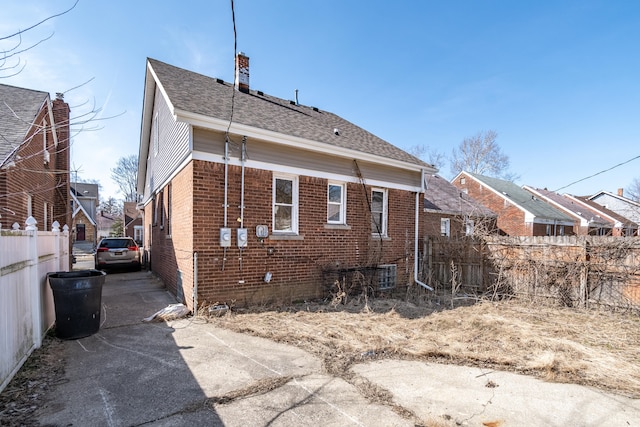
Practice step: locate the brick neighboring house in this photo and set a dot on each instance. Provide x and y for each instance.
(106, 223)
(133, 221)
(588, 221)
(621, 226)
(519, 212)
(34, 158)
(84, 207)
(249, 198)
(450, 212)
(619, 204)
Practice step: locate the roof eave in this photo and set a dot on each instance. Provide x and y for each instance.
(195, 119)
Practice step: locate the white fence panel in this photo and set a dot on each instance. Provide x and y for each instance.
(26, 301)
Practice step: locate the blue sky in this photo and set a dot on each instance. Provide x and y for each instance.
(559, 81)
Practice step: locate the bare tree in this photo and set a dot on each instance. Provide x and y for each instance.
(633, 190)
(429, 155)
(111, 206)
(482, 155)
(125, 174)
(10, 64)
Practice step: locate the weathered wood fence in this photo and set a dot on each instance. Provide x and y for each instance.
(582, 271)
(26, 300)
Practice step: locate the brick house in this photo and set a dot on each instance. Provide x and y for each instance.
(34, 158)
(248, 198)
(621, 226)
(133, 221)
(449, 212)
(519, 212)
(84, 208)
(587, 220)
(619, 204)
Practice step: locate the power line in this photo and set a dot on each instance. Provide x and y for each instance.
(598, 173)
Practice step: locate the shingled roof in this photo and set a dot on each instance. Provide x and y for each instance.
(445, 197)
(195, 93)
(18, 109)
(522, 198)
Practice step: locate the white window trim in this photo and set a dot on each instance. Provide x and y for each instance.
(343, 203)
(294, 209)
(385, 211)
(445, 227)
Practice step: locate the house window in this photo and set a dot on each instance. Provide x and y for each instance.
(469, 227)
(387, 276)
(137, 233)
(155, 211)
(561, 230)
(336, 196)
(548, 230)
(285, 204)
(463, 180)
(379, 201)
(161, 208)
(156, 135)
(445, 227)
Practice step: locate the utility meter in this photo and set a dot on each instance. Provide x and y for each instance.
(242, 237)
(225, 237)
(262, 231)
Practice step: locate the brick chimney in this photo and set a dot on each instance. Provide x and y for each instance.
(621, 192)
(242, 72)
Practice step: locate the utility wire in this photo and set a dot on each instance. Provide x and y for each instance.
(598, 173)
(235, 67)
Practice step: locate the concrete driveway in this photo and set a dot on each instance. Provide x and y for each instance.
(188, 372)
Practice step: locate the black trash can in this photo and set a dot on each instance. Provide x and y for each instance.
(77, 296)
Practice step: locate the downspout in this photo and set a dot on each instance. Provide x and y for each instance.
(417, 230)
(195, 283)
(243, 158)
(226, 189)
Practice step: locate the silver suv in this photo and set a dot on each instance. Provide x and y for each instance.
(118, 252)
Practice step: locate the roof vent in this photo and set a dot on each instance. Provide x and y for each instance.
(336, 131)
(261, 93)
(219, 81)
(292, 102)
(315, 109)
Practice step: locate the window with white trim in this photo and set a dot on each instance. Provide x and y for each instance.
(285, 204)
(379, 203)
(336, 206)
(445, 227)
(469, 227)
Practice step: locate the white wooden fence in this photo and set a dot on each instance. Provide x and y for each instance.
(26, 301)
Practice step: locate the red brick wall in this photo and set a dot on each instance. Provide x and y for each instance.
(296, 264)
(45, 183)
(510, 218)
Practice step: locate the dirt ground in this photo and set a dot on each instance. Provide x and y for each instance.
(595, 348)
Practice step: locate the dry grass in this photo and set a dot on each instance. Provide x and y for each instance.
(562, 345)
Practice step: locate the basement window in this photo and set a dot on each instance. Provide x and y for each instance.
(387, 276)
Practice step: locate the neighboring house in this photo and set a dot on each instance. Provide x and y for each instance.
(106, 225)
(619, 204)
(133, 221)
(84, 206)
(588, 221)
(519, 212)
(34, 158)
(450, 212)
(249, 198)
(621, 225)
